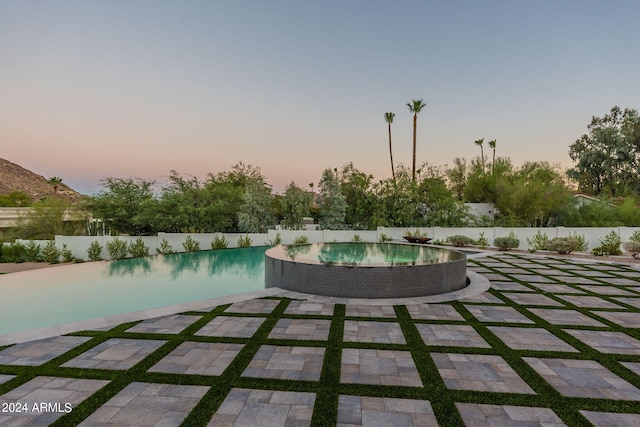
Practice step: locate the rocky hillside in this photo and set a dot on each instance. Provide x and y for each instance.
(16, 178)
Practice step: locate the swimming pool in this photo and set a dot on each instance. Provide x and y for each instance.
(46, 297)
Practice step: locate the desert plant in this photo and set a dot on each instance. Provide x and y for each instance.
(583, 245)
(276, 240)
(356, 238)
(165, 248)
(95, 251)
(219, 243)
(32, 252)
(244, 242)
(482, 241)
(384, 238)
(14, 252)
(138, 249)
(415, 233)
(507, 243)
(440, 242)
(50, 253)
(460, 241)
(117, 248)
(633, 245)
(66, 254)
(609, 245)
(538, 242)
(563, 245)
(191, 245)
(300, 240)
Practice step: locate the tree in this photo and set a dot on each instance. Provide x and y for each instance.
(415, 107)
(479, 143)
(331, 202)
(388, 117)
(295, 206)
(50, 217)
(492, 144)
(457, 176)
(55, 182)
(357, 188)
(256, 213)
(607, 157)
(15, 199)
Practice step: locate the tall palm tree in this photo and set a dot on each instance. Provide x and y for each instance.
(55, 182)
(492, 144)
(479, 143)
(388, 117)
(415, 107)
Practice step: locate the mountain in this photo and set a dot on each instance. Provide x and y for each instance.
(16, 178)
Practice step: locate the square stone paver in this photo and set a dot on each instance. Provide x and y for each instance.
(254, 306)
(63, 393)
(369, 331)
(557, 316)
(532, 278)
(607, 341)
(530, 299)
(557, 289)
(624, 319)
(510, 286)
(583, 378)
(451, 336)
(635, 367)
(605, 290)
(308, 307)
(479, 372)
(537, 339)
(578, 280)
(481, 415)
(433, 312)
(198, 358)
(384, 411)
(244, 407)
(4, 378)
(287, 363)
(588, 301)
(623, 281)
(634, 302)
(356, 310)
(607, 419)
(165, 325)
(34, 353)
(144, 404)
(227, 326)
(484, 297)
(115, 353)
(379, 367)
(490, 313)
(301, 329)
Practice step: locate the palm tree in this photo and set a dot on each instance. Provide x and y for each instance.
(388, 117)
(55, 182)
(415, 107)
(479, 142)
(492, 144)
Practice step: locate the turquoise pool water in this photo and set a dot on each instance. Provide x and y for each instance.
(53, 296)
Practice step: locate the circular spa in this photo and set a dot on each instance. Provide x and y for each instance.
(366, 270)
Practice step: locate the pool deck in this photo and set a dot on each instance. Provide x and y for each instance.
(535, 341)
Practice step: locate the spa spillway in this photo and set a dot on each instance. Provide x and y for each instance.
(366, 270)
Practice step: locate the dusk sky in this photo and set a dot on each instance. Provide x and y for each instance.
(91, 89)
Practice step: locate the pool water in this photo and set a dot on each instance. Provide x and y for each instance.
(53, 296)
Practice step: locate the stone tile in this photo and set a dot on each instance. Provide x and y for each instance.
(489, 313)
(484, 297)
(376, 332)
(607, 419)
(4, 378)
(588, 301)
(634, 302)
(510, 286)
(624, 281)
(198, 358)
(635, 367)
(607, 341)
(479, 372)
(64, 394)
(512, 270)
(254, 306)
(35, 353)
(557, 289)
(578, 280)
(530, 299)
(532, 278)
(165, 325)
(384, 411)
(624, 319)
(308, 307)
(481, 415)
(596, 274)
(227, 326)
(301, 329)
(537, 339)
(115, 353)
(451, 335)
(356, 310)
(245, 407)
(287, 363)
(144, 404)
(583, 378)
(433, 312)
(495, 276)
(605, 290)
(379, 367)
(565, 317)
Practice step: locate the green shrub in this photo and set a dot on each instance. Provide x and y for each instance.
(415, 233)
(538, 242)
(609, 245)
(507, 243)
(356, 238)
(300, 240)
(66, 254)
(276, 240)
(191, 245)
(117, 248)
(633, 245)
(563, 245)
(460, 241)
(384, 238)
(635, 237)
(95, 251)
(165, 248)
(15, 252)
(1, 249)
(138, 249)
(245, 242)
(32, 252)
(482, 241)
(50, 253)
(582, 241)
(440, 242)
(219, 243)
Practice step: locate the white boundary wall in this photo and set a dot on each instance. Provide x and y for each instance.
(79, 244)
